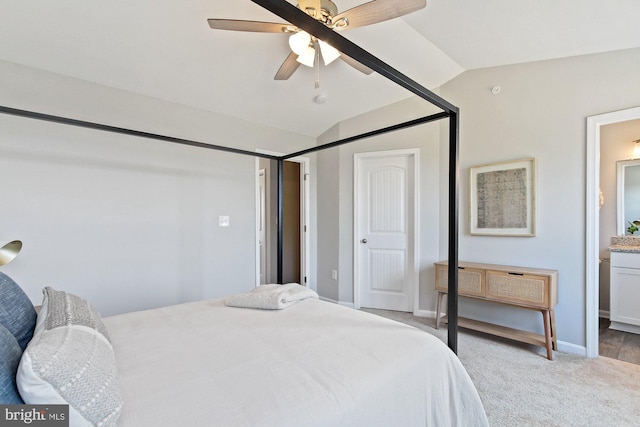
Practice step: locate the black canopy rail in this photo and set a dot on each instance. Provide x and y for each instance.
(125, 131)
(300, 19)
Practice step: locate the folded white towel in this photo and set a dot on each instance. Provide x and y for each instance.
(271, 297)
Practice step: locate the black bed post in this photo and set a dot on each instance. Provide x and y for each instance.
(454, 177)
(280, 216)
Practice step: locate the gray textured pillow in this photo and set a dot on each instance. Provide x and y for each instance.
(65, 309)
(10, 353)
(72, 366)
(17, 314)
(70, 361)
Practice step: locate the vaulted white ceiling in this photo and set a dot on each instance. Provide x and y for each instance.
(165, 49)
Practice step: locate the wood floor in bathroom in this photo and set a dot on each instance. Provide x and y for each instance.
(617, 344)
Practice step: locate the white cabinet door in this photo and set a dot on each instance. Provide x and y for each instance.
(625, 291)
(625, 295)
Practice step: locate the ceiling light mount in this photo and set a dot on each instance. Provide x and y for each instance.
(320, 99)
(328, 10)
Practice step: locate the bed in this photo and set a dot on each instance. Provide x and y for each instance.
(313, 363)
(204, 363)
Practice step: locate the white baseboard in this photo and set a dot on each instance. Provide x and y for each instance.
(604, 313)
(418, 313)
(346, 304)
(425, 313)
(568, 347)
(625, 327)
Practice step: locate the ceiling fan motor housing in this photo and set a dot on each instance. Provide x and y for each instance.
(328, 10)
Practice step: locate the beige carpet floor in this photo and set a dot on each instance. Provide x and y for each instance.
(520, 387)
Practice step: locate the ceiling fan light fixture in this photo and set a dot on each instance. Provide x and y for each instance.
(305, 48)
(329, 53)
(307, 57)
(299, 42)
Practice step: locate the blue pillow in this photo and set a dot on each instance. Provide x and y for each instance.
(10, 354)
(17, 313)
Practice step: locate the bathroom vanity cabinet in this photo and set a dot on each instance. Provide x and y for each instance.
(625, 291)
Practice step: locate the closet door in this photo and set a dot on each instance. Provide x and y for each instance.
(384, 236)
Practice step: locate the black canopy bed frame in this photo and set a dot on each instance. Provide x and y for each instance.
(297, 17)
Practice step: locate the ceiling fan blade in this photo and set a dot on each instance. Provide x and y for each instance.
(355, 64)
(377, 11)
(255, 26)
(311, 7)
(288, 67)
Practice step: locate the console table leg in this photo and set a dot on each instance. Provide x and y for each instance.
(547, 333)
(554, 335)
(439, 307)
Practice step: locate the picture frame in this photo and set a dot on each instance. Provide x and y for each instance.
(503, 199)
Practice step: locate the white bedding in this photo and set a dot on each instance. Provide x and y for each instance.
(313, 364)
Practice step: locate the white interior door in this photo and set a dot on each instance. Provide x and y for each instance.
(384, 230)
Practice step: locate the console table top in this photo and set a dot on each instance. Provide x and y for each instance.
(507, 268)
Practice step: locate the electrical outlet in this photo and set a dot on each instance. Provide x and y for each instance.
(334, 274)
(223, 221)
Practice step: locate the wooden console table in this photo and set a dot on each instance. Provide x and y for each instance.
(529, 288)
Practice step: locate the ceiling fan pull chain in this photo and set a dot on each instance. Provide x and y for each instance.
(316, 62)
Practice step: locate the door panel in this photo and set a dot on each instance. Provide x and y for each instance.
(387, 202)
(387, 270)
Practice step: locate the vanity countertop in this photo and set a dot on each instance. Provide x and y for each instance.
(630, 244)
(624, 248)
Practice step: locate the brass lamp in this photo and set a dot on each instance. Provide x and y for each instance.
(9, 251)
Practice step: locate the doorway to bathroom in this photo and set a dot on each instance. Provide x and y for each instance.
(601, 220)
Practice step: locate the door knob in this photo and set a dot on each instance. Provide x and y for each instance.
(363, 240)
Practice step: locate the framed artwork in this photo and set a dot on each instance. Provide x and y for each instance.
(503, 198)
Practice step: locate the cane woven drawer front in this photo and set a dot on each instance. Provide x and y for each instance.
(470, 280)
(518, 288)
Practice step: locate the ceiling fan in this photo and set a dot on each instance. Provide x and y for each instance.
(305, 48)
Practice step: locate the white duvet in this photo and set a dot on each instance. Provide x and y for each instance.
(312, 364)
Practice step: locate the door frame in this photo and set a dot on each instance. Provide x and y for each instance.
(593, 219)
(415, 236)
(305, 249)
(262, 224)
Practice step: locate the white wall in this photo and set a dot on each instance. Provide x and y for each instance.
(125, 222)
(327, 215)
(541, 112)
